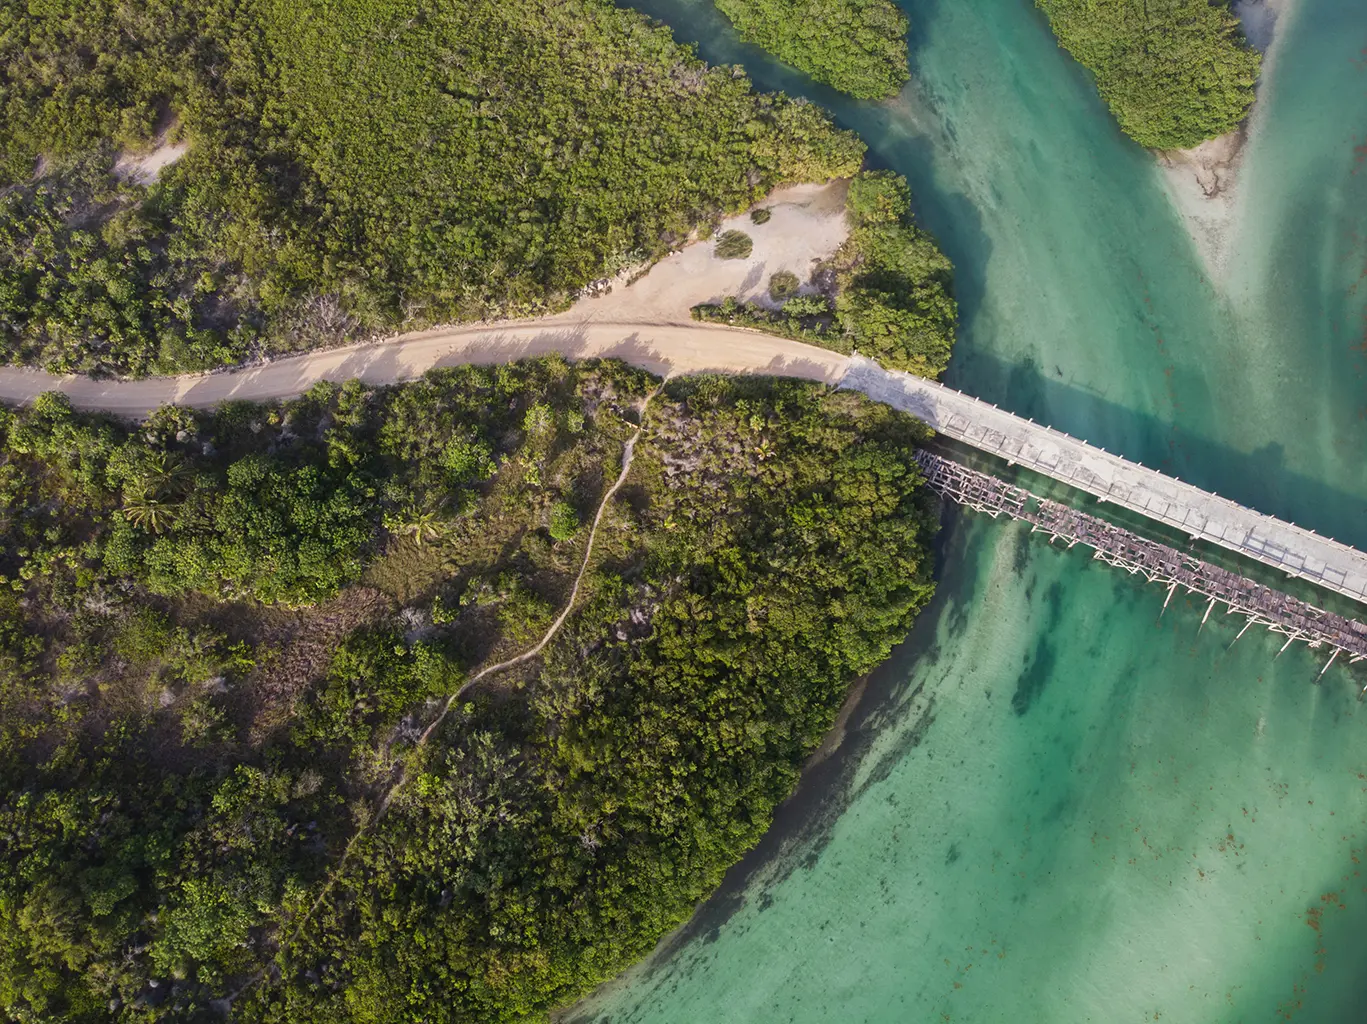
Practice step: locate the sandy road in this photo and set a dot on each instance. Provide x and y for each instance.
(663, 350)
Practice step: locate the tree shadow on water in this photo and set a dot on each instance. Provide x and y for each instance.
(892, 701)
(920, 13)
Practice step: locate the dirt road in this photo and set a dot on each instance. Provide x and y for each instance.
(660, 349)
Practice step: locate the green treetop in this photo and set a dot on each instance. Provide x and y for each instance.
(1174, 72)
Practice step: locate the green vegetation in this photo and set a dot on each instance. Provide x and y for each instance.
(353, 168)
(223, 637)
(564, 521)
(734, 245)
(809, 318)
(857, 46)
(889, 292)
(1174, 72)
(783, 285)
(762, 215)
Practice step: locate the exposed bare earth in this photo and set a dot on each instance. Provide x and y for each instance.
(1201, 184)
(806, 225)
(145, 168)
(664, 350)
(1212, 163)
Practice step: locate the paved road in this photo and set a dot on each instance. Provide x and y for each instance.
(1290, 548)
(684, 348)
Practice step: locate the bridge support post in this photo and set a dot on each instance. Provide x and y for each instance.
(1293, 618)
(1172, 589)
(1337, 650)
(1251, 620)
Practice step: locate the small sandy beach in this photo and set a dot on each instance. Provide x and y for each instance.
(1202, 181)
(806, 225)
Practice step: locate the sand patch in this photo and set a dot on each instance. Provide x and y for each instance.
(1202, 181)
(807, 225)
(146, 168)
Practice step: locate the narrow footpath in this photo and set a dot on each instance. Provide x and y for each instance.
(628, 450)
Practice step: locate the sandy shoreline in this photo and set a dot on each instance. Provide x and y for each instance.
(1203, 181)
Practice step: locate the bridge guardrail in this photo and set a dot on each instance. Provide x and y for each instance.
(1201, 514)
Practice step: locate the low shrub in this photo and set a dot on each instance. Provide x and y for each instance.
(783, 286)
(564, 521)
(734, 245)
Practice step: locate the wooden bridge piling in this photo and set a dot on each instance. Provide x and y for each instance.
(1158, 563)
(1298, 552)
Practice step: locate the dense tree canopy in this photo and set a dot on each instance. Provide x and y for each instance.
(857, 46)
(190, 740)
(353, 167)
(1174, 72)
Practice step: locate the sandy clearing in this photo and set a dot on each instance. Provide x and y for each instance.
(664, 350)
(807, 226)
(145, 168)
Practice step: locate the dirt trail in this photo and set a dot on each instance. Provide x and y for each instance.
(627, 452)
(661, 349)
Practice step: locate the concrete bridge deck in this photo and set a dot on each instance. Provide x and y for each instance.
(1285, 546)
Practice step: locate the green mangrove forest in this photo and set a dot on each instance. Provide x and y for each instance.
(856, 46)
(231, 764)
(1174, 72)
(352, 168)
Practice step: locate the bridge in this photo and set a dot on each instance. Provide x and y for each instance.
(1200, 514)
(1260, 605)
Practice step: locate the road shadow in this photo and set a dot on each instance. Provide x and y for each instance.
(893, 695)
(1262, 478)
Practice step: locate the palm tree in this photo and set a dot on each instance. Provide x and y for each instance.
(168, 469)
(421, 526)
(145, 510)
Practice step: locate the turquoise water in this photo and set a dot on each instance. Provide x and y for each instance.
(1054, 804)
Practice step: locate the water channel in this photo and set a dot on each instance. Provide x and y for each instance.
(1053, 805)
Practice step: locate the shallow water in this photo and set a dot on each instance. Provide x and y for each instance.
(1054, 805)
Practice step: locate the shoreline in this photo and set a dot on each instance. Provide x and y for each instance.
(1203, 182)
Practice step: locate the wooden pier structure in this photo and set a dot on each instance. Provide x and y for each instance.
(1260, 605)
(1291, 549)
